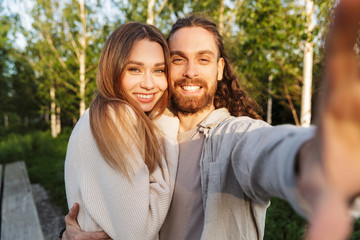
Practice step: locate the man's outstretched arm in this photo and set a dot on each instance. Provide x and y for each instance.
(74, 232)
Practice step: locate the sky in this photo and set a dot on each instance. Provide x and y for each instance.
(23, 8)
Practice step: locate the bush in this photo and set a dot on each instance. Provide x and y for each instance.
(44, 157)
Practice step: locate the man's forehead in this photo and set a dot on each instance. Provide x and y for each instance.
(192, 39)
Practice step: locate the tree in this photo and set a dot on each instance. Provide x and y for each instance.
(4, 78)
(17, 80)
(159, 13)
(265, 42)
(64, 48)
(308, 66)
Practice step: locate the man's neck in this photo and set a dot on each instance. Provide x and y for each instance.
(190, 121)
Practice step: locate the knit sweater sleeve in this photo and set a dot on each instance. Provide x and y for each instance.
(108, 200)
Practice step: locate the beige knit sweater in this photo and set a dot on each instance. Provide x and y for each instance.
(108, 201)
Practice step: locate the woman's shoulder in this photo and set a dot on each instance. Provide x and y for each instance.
(82, 128)
(168, 125)
(123, 115)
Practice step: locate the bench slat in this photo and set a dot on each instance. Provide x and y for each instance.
(20, 219)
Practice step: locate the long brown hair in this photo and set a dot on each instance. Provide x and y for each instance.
(117, 122)
(229, 93)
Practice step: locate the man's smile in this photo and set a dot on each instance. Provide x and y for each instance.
(191, 89)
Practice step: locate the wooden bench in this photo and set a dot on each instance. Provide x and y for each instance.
(19, 217)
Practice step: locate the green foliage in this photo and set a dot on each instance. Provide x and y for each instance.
(282, 222)
(44, 157)
(356, 230)
(268, 45)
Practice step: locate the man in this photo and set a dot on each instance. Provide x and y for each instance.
(228, 167)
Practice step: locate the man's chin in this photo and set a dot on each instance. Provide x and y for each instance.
(189, 107)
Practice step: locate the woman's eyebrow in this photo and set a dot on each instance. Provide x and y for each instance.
(142, 64)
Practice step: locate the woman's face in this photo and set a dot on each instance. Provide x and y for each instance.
(144, 75)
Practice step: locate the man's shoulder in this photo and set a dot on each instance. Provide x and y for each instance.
(243, 123)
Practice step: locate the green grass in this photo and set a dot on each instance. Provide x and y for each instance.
(44, 157)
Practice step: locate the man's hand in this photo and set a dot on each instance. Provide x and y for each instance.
(337, 142)
(74, 232)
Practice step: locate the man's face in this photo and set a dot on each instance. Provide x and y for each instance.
(194, 70)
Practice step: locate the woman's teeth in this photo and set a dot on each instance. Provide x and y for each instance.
(143, 96)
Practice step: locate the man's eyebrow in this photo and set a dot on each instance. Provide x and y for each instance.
(180, 53)
(142, 64)
(206, 52)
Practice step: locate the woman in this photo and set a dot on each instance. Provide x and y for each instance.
(115, 166)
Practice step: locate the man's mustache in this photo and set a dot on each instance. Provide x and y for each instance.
(193, 81)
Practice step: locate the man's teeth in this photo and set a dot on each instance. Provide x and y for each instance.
(191, 88)
(147, 96)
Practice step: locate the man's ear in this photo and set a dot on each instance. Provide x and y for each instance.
(220, 71)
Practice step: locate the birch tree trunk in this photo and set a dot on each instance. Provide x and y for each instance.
(150, 12)
(222, 17)
(307, 71)
(53, 113)
(82, 57)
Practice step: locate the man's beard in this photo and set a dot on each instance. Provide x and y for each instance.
(192, 104)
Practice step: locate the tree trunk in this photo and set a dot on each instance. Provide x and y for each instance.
(58, 120)
(46, 114)
(269, 103)
(222, 17)
(82, 57)
(74, 120)
(307, 71)
(150, 12)
(26, 121)
(53, 113)
(6, 120)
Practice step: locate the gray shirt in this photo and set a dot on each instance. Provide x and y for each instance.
(185, 219)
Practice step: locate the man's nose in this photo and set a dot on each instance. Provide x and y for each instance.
(191, 70)
(148, 82)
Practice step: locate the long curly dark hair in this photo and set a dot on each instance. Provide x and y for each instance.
(229, 93)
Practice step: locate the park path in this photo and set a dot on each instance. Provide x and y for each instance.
(51, 217)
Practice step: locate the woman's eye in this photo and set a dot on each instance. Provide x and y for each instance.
(159, 71)
(135, 70)
(204, 60)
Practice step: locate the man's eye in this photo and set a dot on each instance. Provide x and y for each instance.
(204, 60)
(177, 60)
